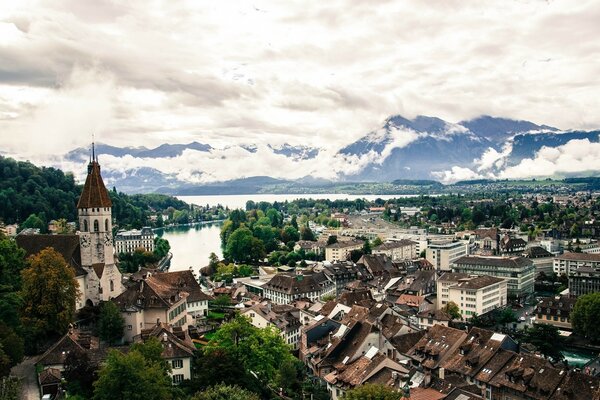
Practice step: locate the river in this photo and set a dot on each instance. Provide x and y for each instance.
(191, 245)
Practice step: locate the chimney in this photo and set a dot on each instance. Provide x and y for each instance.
(441, 373)
(427, 379)
(157, 321)
(164, 337)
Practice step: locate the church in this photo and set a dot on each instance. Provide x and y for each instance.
(91, 252)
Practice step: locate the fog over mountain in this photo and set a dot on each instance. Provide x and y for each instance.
(419, 148)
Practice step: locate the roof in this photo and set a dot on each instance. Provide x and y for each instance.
(67, 245)
(150, 293)
(94, 193)
(346, 243)
(561, 306)
(436, 315)
(452, 276)
(176, 343)
(437, 343)
(57, 353)
(491, 233)
(395, 244)
(377, 264)
(537, 252)
(49, 376)
(577, 386)
(405, 342)
(185, 281)
(462, 394)
(478, 282)
(494, 365)
(421, 393)
(410, 300)
(504, 262)
(296, 284)
(579, 257)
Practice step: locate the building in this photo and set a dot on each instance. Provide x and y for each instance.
(584, 280)
(567, 262)
(441, 256)
(486, 240)
(152, 300)
(399, 250)
(542, 259)
(178, 349)
(518, 271)
(283, 317)
(129, 241)
(340, 251)
(309, 246)
(429, 318)
(91, 253)
(284, 288)
(9, 230)
(555, 311)
(478, 294)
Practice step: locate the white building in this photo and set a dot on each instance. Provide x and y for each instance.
(284, 318)
(128, 241)
(284, 288)
(442, 255)
(472, 294)
(398, 250)
(568, 262)
(340, 251)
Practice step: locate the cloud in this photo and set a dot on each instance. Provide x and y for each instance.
(575, 158)
(456, 174)
(493, 159)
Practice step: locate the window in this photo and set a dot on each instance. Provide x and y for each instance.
(85, 225)
(176, 364)
(178, 378)
(106, 225)
(112, 286)
(96, 226)
(129, 327)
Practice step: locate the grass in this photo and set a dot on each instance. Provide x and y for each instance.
(215, 315)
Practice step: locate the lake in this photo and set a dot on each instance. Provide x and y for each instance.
(191, 245)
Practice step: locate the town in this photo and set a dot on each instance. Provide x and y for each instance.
(481, 299)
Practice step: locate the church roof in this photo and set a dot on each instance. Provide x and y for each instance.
(66, 245)
(94, 192)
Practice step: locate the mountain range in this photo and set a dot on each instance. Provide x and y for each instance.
(422, 148)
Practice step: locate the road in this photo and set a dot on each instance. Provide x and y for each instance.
(26, 371)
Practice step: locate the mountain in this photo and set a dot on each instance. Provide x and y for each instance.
(422, 148)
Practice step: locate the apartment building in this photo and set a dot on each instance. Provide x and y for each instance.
(567, 262)
(473, 294)
(399, 250)
(340, 251)
(584, 280)
(442, 255)
(518, 271)
(128, 241)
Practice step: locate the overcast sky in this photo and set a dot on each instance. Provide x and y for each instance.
(320, 73)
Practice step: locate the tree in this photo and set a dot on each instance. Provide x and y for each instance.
(161, 247)
(373, 392)
(80, 374)
(223, 392)
(377, 242)
(331, 239)
(288, 379)
(306, 233)
(34, 222)
(133, 376)
(12, 262)
(546, 338)
(111, 323)
(289, 234)
(585, 316)
(452, 310)
(506, 316)
(260, 351)
(49, 293)
(243, 247)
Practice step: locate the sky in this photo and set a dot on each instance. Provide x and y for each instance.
(315, 73)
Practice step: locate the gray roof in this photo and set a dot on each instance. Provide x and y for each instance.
(505, 262)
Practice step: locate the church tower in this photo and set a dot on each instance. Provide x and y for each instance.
(95, 238)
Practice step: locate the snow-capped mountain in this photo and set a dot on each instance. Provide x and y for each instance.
(419, 148)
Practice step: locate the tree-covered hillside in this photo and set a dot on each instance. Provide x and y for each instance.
(49, 193)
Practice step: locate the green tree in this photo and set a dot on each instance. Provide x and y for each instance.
(373, 392)
(260, 351)
(332, 239)
(506, 316)
(288, 379)
(289, 234)
(547, 339)
(306, 233)
(223, 392)
(111, 323)
(133, 376)
(452, 310)
(80, 374)
(49, 293)
(161, 247)
(585, 316)
(34, 222)
(243, 247)
(377, 242)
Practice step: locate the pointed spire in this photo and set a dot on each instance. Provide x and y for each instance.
(94, 193)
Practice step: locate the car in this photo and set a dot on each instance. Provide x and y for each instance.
(522, 319)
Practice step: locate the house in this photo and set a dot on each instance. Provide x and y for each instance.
(556, 311)
(542, 259)
(518, 271)
(340, 251)
(150, 301)
(178, 349)
(477, 294)
(403, 249)
(414, 304)
(285, 318)
(341, 274)
(486, 240)
(284, 288)
(373, 367)
(378, 265)
(510, 245)
(309, 246)
(9, 230)
(429, 318)
(438, 343)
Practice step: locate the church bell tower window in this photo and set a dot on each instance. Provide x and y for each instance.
(96, 227)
